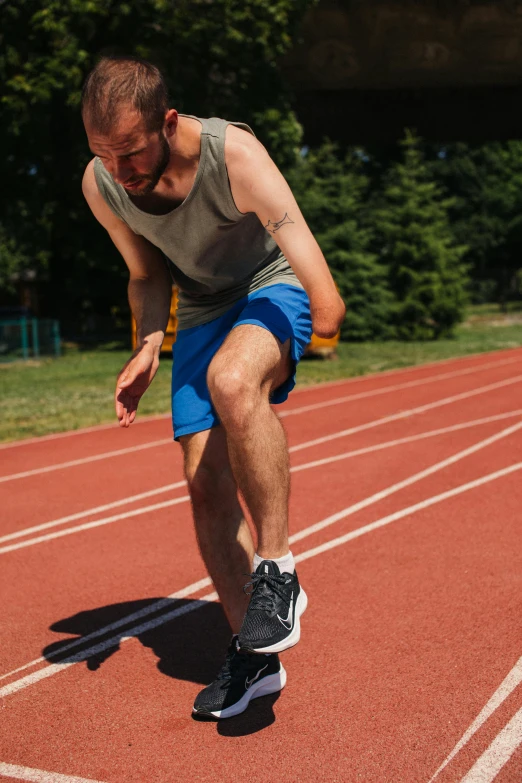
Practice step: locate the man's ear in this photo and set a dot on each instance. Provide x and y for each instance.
(171, 122)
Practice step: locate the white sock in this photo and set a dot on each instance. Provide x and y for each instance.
(286, 564)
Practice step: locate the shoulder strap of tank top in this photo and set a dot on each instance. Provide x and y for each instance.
(216, 179)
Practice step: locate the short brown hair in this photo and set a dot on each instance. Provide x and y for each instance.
(116, 81)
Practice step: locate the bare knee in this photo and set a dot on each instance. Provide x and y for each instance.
(235, 391)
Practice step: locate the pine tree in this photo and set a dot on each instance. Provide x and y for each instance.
(331, 193)
(486, 182)
(415, 240)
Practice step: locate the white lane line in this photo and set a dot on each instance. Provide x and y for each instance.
(361, 531)
(107, 455)
(405, 483)
(505, 689)
(397, 387)
(85, 460)
(297, 536)
(410, 368)
(91, 511)
(302, 534)
(298, 447)
(316, 463)
(156, 606)
(39, 776)
(54, 668)
(407, 413)
(409, 439)
(487, 767)
(84, 430)
(90, 525)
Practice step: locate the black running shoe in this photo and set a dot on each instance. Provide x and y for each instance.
(242, 677)
(271, 623)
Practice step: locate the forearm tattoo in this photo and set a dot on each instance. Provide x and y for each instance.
(275, 226)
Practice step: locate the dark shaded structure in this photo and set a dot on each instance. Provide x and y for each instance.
(365, 69)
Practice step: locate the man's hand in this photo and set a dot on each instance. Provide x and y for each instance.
(133, 381)
(150, 292)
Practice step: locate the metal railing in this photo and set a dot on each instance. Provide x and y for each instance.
(25, 338)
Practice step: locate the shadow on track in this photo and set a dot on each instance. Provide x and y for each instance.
(189, 647)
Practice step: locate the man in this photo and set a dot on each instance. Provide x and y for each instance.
(202, 199)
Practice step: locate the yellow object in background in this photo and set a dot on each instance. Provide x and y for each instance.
(318, 346)
(323, 346)
(172, 326)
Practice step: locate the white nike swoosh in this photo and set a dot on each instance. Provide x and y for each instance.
(290, 615)
(248, 682)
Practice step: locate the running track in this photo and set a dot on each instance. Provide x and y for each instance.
(405, 519)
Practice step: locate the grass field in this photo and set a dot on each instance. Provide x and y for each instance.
(39, 397)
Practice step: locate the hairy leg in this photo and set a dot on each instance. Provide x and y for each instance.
(223, 534)
(250, 364)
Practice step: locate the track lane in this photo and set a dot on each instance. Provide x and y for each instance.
(27, 535)
(348, 423)
(11, 541)
(113, 564)
(394, 692)
(24, 495)
(75, 489)
(374, 430)
(496, 715)
(394, 388)
(179, 727)
(369, 473)
(497, 456)
(35, 454)
(109, 553)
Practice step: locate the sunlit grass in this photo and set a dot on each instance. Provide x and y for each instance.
(76, 390)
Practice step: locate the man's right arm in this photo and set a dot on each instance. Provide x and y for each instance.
(150, 285)
(150, 292)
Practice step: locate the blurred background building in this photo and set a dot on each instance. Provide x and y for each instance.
(362, 71)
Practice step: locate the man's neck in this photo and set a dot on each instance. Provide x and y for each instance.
(178, 179)
(185, 146)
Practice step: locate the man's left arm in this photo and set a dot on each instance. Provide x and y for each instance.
(258, 186)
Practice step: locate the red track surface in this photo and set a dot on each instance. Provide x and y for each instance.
(411, 647)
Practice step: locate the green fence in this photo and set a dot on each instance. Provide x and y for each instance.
(29, 338)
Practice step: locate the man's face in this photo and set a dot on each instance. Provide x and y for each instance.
(134, 157)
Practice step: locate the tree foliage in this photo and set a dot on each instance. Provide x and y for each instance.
(486, 182)
(415, 240)
(395, 243)
(332, 192)
(220, 59)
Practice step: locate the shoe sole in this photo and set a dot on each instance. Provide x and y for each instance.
(272, 683)
(293, 637)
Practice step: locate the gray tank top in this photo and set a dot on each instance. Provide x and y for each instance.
(216, 254)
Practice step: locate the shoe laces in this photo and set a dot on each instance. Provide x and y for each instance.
(265, 588)
(234, 665)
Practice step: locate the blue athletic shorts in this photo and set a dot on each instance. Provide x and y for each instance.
(282, 309)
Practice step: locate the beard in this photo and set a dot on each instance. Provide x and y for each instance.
(151, 180)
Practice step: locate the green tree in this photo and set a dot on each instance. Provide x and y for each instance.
(220, 58)
(332, 193)
(486, 182)
(415, 241)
